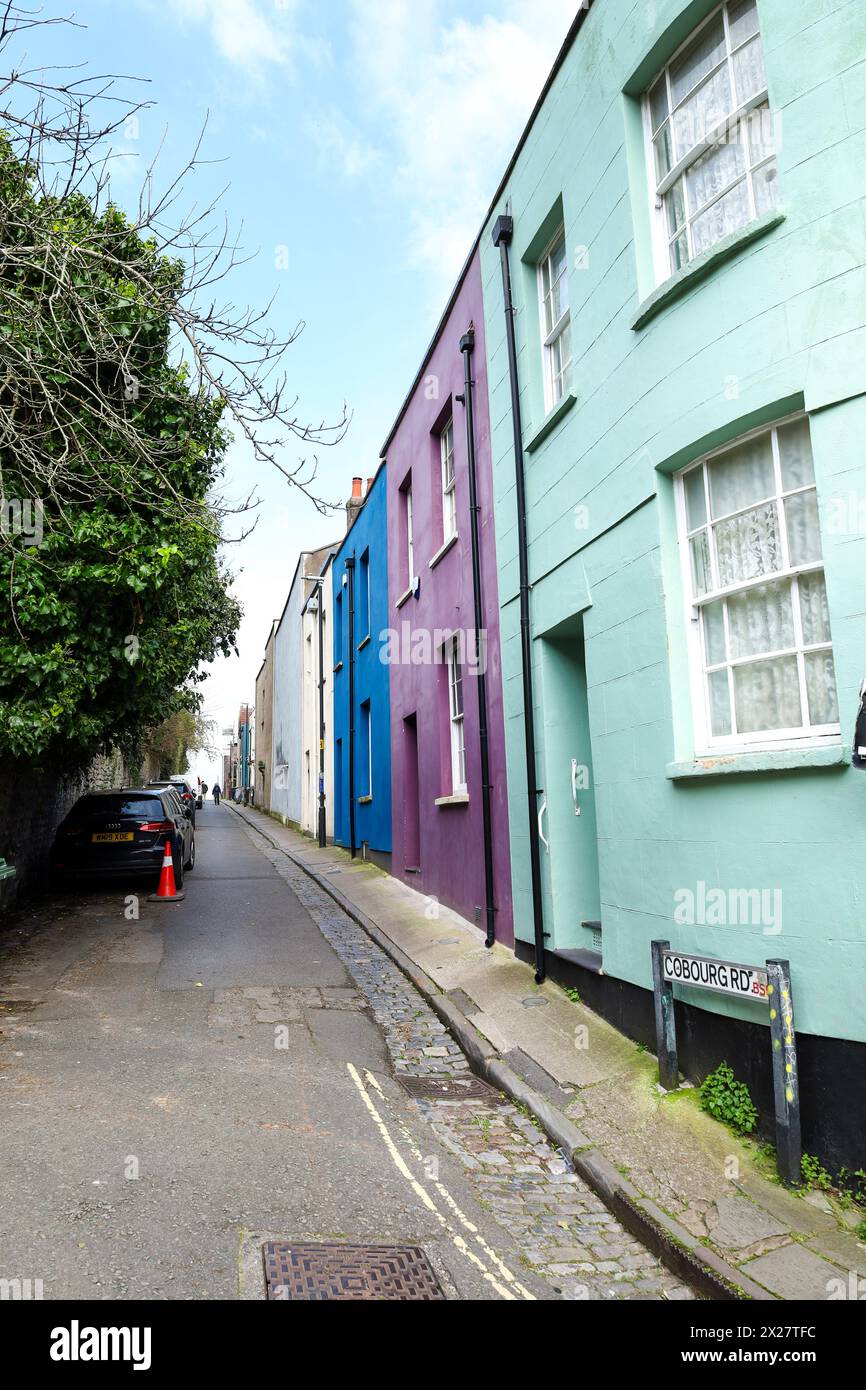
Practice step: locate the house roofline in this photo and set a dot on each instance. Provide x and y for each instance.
(373, 481)
(308, 578)
(301, 556)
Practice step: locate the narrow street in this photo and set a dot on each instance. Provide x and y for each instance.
(179, 1089)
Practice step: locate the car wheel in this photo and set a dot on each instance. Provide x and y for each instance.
(190, 863)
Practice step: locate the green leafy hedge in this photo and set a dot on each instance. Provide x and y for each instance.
(104, 625)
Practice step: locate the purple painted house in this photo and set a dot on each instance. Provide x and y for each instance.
(450, 822)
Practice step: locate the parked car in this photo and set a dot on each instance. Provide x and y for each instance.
(183, 786)
(183, 789)
(123, 834)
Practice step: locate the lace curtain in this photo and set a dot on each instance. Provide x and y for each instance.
(786, 685)
(706, 93)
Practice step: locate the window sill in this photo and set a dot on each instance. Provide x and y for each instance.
(442, 551)
(550, 422)
(364, 800)
(772, 760)
(587, 960)
(680, 283)
(411, 592)
(455, 799)
(364, 642)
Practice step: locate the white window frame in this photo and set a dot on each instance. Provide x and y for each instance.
(368, 794)
(410, 536)
(449, 482)
(456, 719)
(364, 566)
(764, 740)
(662, 238)
(557, 382)
(338, 626)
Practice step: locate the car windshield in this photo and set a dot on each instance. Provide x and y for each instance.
(101, 807)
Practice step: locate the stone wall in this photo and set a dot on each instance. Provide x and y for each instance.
(32, 805)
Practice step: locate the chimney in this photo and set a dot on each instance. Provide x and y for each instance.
(355, 503)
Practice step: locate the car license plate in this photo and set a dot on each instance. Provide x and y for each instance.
(113, 837)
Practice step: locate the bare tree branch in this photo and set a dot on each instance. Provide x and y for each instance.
(74, 376)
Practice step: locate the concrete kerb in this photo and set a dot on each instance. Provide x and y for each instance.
(705, 1271)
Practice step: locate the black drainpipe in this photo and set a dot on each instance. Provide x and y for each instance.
(350, 570)
(502, 234)
(467, 345)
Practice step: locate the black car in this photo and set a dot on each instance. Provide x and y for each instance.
(183, 789)
(123, 834)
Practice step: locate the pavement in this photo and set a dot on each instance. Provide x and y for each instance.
(182, 1083)
(708, 1201)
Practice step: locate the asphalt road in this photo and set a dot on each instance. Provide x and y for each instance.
(177, 1089)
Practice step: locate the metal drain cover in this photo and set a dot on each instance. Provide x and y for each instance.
(314, 1273)
(449, 1088)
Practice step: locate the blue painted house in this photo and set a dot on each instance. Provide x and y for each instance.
(362, 720)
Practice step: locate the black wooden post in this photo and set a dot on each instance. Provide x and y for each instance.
(786, 1085)
(666, 1031)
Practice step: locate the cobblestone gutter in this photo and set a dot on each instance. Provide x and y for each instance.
(565, 1232)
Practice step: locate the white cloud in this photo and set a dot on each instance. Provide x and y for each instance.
(441, 98)
(454, 95)
(124, 164)
(338, 143)
(252, 35)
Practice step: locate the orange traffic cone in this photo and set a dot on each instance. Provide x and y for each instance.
(166, 892)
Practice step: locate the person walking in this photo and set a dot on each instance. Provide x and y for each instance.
(216, 793)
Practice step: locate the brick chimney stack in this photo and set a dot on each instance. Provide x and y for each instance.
(355, 503)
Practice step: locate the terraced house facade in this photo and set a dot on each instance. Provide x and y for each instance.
(450, 828)
(361, 689)
(679, 250)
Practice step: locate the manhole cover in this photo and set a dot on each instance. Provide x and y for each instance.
(313, 1273)
(449, 1088)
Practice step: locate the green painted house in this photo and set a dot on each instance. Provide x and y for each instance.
(682, 235)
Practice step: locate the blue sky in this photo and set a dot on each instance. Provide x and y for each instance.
(361, 142)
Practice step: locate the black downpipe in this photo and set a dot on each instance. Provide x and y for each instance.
(467, 345)
(350, 570)
(502, 234)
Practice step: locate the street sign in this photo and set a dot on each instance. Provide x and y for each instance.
(723, 976)
(771, 985)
